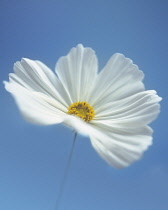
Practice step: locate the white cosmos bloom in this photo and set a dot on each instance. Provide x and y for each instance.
(115, 100)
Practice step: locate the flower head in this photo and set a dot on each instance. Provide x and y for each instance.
(111, 107)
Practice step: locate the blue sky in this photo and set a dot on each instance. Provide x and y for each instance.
(33, 158)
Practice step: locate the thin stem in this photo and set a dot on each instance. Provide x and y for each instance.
(63, 182)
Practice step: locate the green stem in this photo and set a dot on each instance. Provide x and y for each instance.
(63, 182)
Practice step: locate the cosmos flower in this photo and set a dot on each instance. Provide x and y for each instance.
(111, 107)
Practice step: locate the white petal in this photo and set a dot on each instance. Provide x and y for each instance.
(79, 125)
(77, 72)
(35, 107)
(120, 78)
(121, 148)
(36, 76)
(137, 110)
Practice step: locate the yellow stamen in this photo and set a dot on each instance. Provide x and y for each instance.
(82, 110)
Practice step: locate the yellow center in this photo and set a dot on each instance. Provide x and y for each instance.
(82, 110)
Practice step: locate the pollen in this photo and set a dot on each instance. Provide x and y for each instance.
(82, 110)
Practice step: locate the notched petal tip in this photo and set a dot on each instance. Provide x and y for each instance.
(129, 61)
(22, 60)
(6, 85)
(79, 46)
(25, 59)
(82, 48)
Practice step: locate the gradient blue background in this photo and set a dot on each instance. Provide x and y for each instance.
(33, 158)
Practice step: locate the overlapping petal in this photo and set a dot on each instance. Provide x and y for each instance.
(36, 76)
(39, 94)
(121, 147)
(123, 125)
(77, 71)
(119, 79)
(36, 107)
(136, 110)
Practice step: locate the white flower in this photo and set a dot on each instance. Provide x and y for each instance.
(111, 107)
